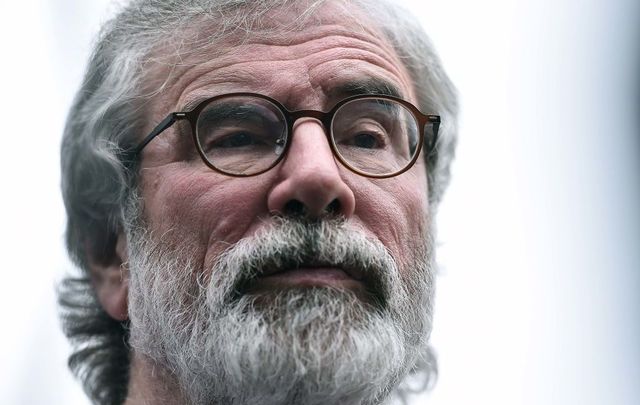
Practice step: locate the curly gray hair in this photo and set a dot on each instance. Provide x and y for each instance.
(109, 111)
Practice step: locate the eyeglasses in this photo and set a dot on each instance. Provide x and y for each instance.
(246, 134)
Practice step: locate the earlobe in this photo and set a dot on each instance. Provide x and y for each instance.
(110, 279)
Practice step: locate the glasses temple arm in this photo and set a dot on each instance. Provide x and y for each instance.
(166, 123)
(435, 127)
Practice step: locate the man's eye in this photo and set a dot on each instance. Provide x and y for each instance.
(365, 140)
(236, 140)
(364, 137)
(363, 133)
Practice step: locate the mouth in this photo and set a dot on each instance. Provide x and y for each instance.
(311, 267)
(309, 274)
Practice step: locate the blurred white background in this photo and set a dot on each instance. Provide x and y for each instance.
(538, 299)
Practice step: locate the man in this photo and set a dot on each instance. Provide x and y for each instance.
(251, 189)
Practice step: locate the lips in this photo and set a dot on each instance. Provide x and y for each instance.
(311, 267)
(308, 275)
(282, 274)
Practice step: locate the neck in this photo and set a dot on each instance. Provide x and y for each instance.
(150, 383)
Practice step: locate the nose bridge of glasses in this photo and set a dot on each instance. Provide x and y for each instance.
(310, 150)
(323, 118)
(302, 118)
(296, 118)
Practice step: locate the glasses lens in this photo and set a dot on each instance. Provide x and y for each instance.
(376, 136)
(241, 135)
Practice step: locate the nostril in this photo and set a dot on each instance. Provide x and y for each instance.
(334, 207)
(295, 208)
(298, 208)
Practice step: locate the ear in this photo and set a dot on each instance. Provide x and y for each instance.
(110, 279)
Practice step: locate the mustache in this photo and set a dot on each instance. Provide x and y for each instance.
(290, 243)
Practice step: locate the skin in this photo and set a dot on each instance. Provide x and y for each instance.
(185, 202)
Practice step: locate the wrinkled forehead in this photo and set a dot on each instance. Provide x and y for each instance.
(282, 24)
(211, 36)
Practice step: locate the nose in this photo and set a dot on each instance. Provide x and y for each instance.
(309, 181)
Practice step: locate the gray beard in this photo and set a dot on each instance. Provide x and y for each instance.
(320, 345)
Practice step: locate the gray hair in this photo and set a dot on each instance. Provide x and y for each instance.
(109, 112)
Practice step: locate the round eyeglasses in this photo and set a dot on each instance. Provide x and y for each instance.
(245, 134)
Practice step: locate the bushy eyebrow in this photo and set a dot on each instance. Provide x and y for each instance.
(376, 87)
(190, 105)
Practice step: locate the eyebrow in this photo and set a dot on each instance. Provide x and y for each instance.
(377, 87)
(190, 105)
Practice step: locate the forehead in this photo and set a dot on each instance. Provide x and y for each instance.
(303, 65)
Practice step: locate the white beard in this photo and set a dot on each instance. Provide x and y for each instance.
(308, 346)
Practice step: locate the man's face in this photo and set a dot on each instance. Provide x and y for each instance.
(187, 201)
(199, 215)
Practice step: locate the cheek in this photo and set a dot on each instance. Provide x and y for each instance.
(204, 209)
(396, 212)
